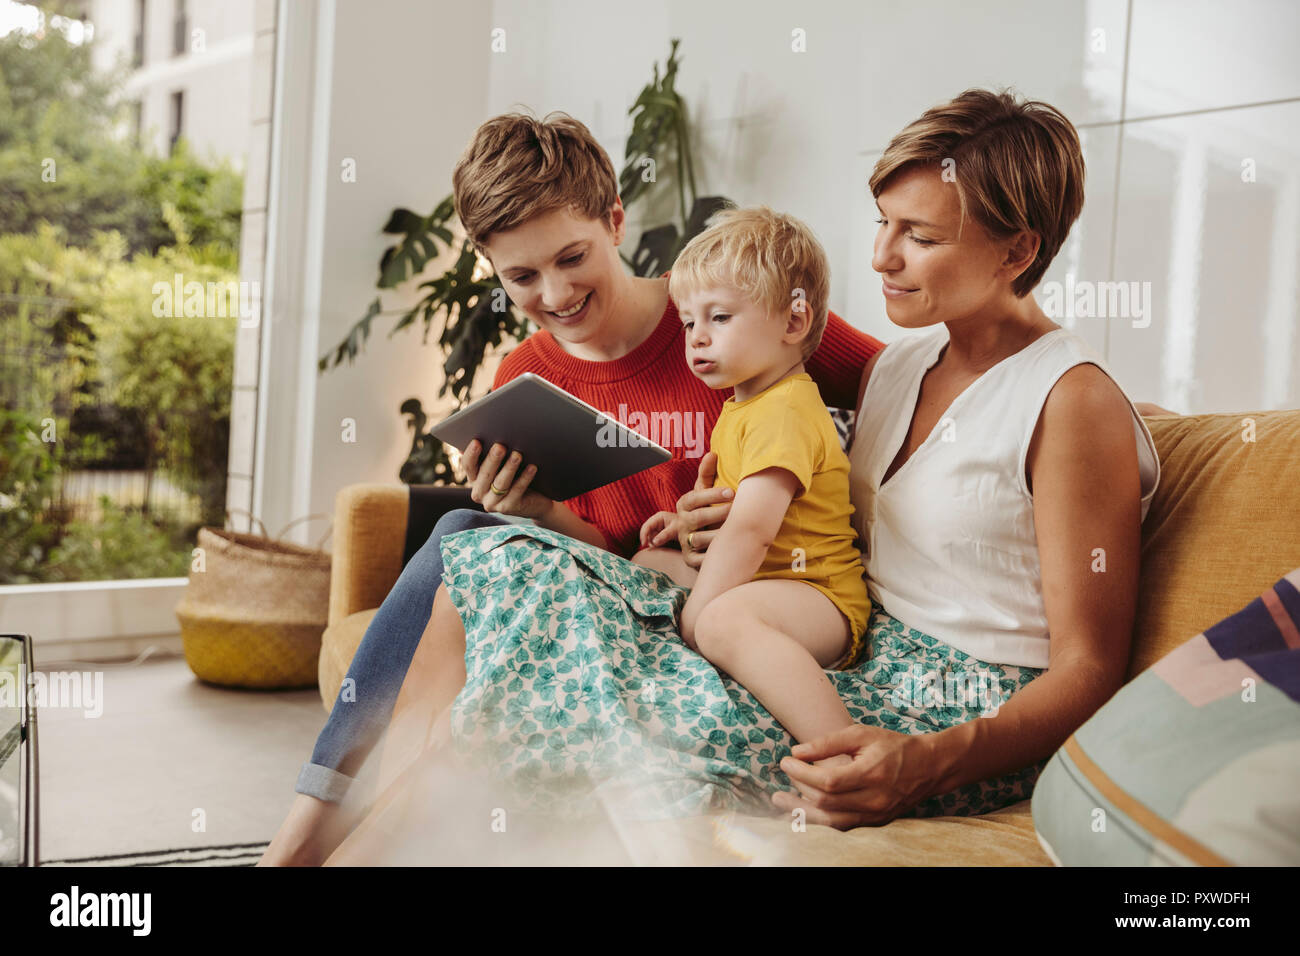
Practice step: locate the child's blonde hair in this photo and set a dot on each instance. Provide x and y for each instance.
(769, 257)
(518, 167)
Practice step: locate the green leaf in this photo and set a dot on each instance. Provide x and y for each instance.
(352, 342)
(421, 237)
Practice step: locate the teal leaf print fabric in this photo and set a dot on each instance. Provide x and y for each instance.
(579, 687)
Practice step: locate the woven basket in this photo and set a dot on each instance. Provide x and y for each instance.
(254, 614)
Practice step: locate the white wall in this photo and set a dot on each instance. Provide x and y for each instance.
(801, 131)
(408, 93)
(1170, 98)
(394, 90)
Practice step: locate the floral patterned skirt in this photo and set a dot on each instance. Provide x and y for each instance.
(581, 691)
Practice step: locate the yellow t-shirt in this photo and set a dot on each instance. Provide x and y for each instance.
(787, 426)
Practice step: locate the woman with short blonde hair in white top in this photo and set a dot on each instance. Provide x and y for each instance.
(999, 474)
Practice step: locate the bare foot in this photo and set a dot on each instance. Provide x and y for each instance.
(309, 833)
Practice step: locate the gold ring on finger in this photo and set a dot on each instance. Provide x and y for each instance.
(690, 541)
(499, 491)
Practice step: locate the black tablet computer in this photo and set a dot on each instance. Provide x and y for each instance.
(575, 447)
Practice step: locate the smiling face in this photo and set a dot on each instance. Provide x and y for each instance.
(732, 342)
(563, 271)
(934, 268)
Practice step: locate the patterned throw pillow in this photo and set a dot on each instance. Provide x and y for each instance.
(843, 419)
(1196, 761)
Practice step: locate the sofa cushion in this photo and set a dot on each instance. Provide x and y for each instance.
(1196, 761)
(397, 833)
(338, 645)
(1222, 526)
(1002, 838)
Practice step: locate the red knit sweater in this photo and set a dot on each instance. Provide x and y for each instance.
(654, 380)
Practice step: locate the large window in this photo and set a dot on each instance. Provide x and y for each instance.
(119, 303)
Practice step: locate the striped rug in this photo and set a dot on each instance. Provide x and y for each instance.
(237, 854)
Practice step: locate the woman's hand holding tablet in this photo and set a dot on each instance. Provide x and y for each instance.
(500, 486)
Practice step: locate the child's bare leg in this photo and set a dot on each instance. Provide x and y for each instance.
(775, 637)
(670, 562)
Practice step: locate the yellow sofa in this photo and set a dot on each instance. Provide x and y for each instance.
(1224, 525)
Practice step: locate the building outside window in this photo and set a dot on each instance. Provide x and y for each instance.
(137, 55)
(177, 119)
(180, 29)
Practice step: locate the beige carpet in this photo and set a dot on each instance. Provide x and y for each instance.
(165, 745)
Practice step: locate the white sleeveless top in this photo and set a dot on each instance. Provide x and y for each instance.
(949, 544)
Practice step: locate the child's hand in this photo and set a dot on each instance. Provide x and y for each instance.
(659, 528)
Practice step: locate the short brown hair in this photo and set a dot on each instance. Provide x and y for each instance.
(1017, 166)
(767, 256)
(517, 167)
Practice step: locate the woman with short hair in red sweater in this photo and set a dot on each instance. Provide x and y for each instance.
(540, 200)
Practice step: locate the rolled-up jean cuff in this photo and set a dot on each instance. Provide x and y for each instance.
(322, 783)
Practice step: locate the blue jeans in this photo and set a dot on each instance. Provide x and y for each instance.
(379, 667)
